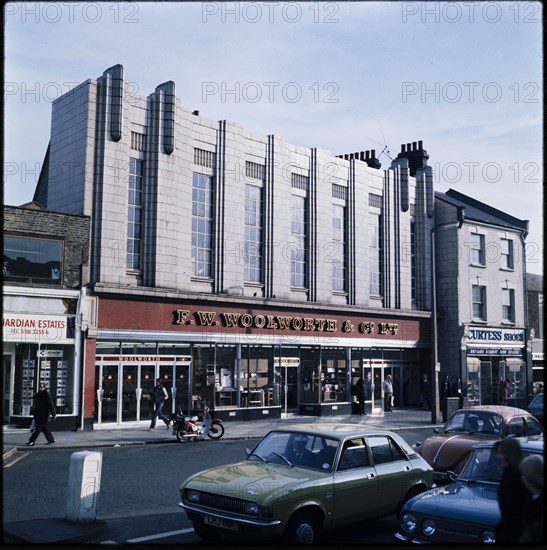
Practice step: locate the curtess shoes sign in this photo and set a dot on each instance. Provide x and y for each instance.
(495, 341)
(49, 329)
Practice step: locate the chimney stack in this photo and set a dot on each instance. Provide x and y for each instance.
(415, 153)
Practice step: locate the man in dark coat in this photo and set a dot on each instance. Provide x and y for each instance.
(43, 407)
(361, 391)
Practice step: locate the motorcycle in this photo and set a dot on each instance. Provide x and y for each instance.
(189, 428)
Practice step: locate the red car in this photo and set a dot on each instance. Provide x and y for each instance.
(449, 448)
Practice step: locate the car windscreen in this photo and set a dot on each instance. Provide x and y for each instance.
(475, 422)
(482, 466)
(296, 449)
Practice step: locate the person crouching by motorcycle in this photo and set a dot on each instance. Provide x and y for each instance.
(160, 395)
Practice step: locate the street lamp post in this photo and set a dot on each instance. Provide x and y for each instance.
(435, 365)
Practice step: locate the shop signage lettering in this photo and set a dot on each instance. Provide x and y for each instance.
(485, 335)
(17, 327)
(280, 322)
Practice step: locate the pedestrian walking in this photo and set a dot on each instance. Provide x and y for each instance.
(160, 395)
(361, 392)
(512, 493)
(531, 469)
(388, 393)
(42, 408)
(425, 393)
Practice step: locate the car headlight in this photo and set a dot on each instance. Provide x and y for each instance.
(252, 508)
(428, 527)
(488, 536)
(192, 496)
(408, 522)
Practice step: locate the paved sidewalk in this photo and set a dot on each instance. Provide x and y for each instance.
(60, 530)
(109, 435)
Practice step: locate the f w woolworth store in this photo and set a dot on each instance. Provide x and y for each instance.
(239, 268)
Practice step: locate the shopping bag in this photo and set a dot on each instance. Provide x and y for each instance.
(32, 426)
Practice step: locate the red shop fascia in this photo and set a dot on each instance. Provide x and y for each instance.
(228, 321)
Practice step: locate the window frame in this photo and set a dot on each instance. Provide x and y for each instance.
(482, 302)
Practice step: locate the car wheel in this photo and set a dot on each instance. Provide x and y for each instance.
(204, 533)
(180, 436)
(303, 528)
(216, 431)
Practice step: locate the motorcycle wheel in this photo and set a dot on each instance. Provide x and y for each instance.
(216, 431)
(180, 436)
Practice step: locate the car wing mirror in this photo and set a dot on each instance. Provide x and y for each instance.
(436, 430)
(452, 476)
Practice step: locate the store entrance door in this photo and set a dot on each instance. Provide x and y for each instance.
(289, 393)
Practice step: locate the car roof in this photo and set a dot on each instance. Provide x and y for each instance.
(505, 411)
(532, 443)
(331, 429)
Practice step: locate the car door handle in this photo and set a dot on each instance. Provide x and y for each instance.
(407, 468)
(370, 475)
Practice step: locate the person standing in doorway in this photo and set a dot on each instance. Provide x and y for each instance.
(388, 393)
(160, 395)
(445, 392)
(43, 407)
(457, 391)
(362, 395)
(504, 391)
(425, 393)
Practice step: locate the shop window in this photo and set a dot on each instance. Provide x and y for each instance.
(333, 375)
(31, 260)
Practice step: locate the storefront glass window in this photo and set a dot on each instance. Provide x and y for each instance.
(334, 378)
(203, 365)
(259, 381)
(224, 373)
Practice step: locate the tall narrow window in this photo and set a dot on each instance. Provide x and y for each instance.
(134, 215)
(479, 302)
(477, 249)
(375, 253)
(299, 248)
(202, 224)
(339, 253)
(507, 259)
(508, 304)
(253, 234)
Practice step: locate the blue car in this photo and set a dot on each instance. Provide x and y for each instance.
(465, 511)
(535, 407)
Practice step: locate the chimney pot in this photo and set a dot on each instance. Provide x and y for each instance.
(373, 153)
(195, 113)
(414, 146)
(362, 155)
(420, 145)
(402, 147)
(408, 147)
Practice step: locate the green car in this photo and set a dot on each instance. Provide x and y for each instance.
(302, 480)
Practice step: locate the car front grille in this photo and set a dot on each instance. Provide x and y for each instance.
(219, 502)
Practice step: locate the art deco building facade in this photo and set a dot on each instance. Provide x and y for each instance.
(263, 276)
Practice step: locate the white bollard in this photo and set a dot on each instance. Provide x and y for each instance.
(84, 484)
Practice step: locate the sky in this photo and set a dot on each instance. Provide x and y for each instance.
(463, 77)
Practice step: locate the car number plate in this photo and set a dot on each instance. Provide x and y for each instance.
(221, 522)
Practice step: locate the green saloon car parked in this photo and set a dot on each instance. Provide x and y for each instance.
(302, 480)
